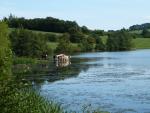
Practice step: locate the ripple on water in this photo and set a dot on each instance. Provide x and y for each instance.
(117, 82)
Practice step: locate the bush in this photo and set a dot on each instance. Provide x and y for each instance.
(5, 51)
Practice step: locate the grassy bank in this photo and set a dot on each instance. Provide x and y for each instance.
(18, 97)
(27, 61)
(138, 43)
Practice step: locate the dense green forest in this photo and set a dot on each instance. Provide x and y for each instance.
(48, 24)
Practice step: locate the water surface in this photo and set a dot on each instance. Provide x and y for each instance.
(118, 82)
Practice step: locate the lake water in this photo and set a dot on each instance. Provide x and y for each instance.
(118, 82)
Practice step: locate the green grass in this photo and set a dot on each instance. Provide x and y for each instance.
(52, 45)
(141, 43)
(35, 31)
(17, 98)
(42, 32)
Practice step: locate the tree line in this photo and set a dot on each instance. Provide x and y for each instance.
(30, 44)
(26, 43)
(48, 24)
(140, 27)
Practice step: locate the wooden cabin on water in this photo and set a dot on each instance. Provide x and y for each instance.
(62, 58)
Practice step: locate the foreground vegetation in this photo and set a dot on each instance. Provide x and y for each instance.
(15, 98)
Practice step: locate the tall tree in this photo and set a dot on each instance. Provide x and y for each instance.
(27, 43)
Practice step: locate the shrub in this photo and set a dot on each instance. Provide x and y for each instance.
(5, 51)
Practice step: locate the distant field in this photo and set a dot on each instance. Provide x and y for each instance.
(35, 31)
(141, 43)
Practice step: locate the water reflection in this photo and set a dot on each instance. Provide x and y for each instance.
(53, 71)
(62, 64)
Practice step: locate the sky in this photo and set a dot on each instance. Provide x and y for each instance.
(95, 14)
